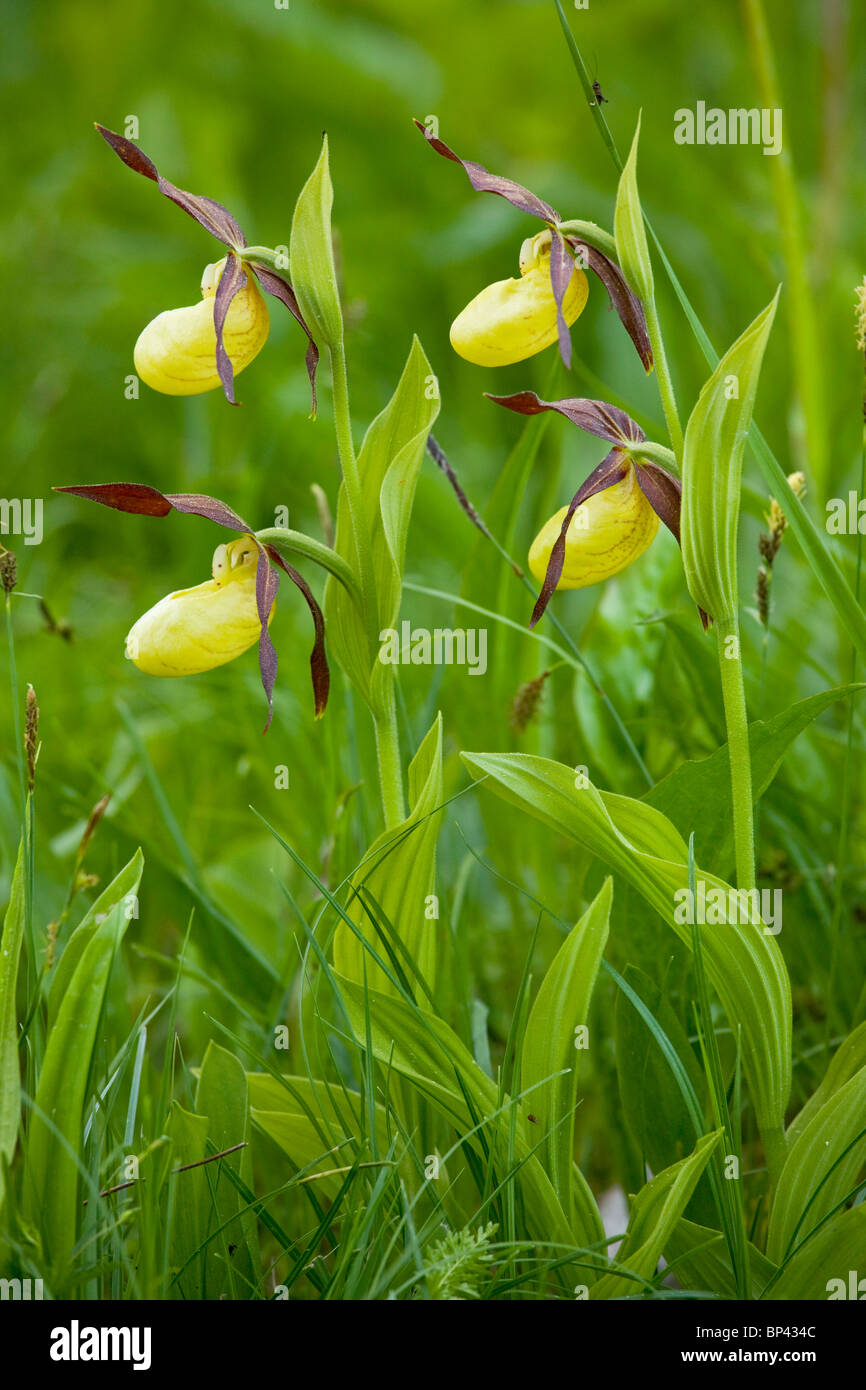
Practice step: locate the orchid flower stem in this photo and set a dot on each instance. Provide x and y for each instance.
(739, 753)
(740, 759)
(390, 766)
(655, 453)
(265, 255)
(308, 548)
(663, 376)
(385, 712)
(352, 483)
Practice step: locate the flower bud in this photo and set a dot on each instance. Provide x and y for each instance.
(176, 353)
(198, 629)
(607, 532)
(515, 319)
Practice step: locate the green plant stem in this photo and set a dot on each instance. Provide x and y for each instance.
(739, 755)
(352, 484)
(656, 453)
(663, 377)
(266, 255)
(390, 766)
(385, 714)
(592, 234)
(384, 718)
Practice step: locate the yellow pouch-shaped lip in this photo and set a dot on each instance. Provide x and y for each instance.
(176, 352)
(515, 319)
(607, 533)
(195, 630)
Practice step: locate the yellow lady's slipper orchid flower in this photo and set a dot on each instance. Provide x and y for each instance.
(607, 532)
(198, 629)
(514, 319)
(176, 353)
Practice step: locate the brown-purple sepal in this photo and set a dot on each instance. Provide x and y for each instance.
(484, 182)
(124, 497)
(276, 285)
(267, 584)
(626, 303)
(199, 504)
(561, 271)
(612, 469)
(600, 418)
(664, 493)
(149, 501)
(231, 281)
(319, 671)
(209, 214)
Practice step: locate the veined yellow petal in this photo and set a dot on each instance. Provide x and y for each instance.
(176, 352)
(607, 533)
(197, 629)
(515, 319)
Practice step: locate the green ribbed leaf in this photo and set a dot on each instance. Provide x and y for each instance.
(233, 1263)
(696, 796)
(702, 1261)
(655, 1111)
(121, 891)
(301, 1141)
(311, 256)
(549, 1053)
(395, 881)
(655, 1212)
(50, 1197)
(830, 1255)
(744, 964)
(10, 955)
(421, 1047)
(713, 468)
(848, 1058)
(331, 1109)
(821, 1167)
(389, 463)
(628, 225)
(188, 1134)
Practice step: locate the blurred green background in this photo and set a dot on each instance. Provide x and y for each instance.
(231, 98)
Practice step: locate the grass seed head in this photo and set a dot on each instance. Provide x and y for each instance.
(526, 702)
(31, 736)
(8, 570)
